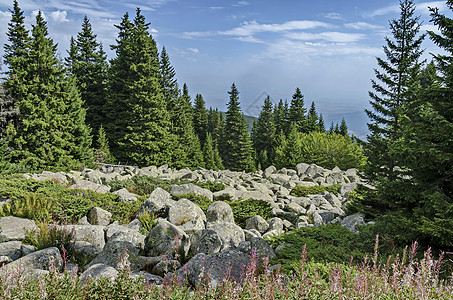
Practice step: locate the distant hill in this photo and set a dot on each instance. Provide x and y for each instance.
(248, 119)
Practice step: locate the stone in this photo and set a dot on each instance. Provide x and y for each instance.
(166, 238)
(326, 216)
(190, 188)
(226, 194)
(256, 195)
(83, 221)
(11, 249)
(112, 252)
(270, 170)
(317, 219)
(214, 268)
(295, 208)
(346, 188)
(259, 246)
(82, 184)
(99, 216)
(158, 203)
(205, 241)
(301, 168)
(125, 196)
(14, 228)
(275, 224)
(248, 234)
(99, 270)
(166, 266)
(272, 233)
(43, 259)
(219, 212)
(257, 222)
(350, 222)
(229, 233)
(85, 249)
(134, 237)
(92, 234)
(187, 216)
(147, 277)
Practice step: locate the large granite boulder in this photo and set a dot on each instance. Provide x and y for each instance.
(83, 184)
(125, 196)
(15, 229)
(258, 246)
(187, 216)
(99, 216)
(257, 222)
(219, 212)
(229, 233)
(92, 234)
(350, 222)
(205, 241)
(158, 203)
(166, 238)
(99, 270)
(190, 188)
(11, 249)
(43, 259)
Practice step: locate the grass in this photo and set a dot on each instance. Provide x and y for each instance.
(302, 191)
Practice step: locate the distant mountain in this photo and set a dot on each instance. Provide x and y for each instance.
(248, 119)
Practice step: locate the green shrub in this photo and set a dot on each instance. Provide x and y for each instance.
(202, 201)
(33, 206)
(46, 236)
(212, 186)
(242, 210)
(148, 222)
(302, 191)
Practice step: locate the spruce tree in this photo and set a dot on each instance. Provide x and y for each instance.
(167, 79)
(87, 61)
(215, 129)
(264, 134)
(236, 144)
(312, 118)
(208, 151)
(52, 130)
(332, 128)
(138, 121)
(281, 116)
(392, 90)
(297, 112)
(343, 129)
(321, 125)
(200, 118)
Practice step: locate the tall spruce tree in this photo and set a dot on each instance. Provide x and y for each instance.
(168, 79)
(281, 116)
(236, 144)
(200, 118)
(343, 129)
(138, 122)
(215, 129)
(312, 118)
(16, 52)
(297, 112)
(87, 61)
(392, 90)
(52, 130)
(321, 125)
(263, 136)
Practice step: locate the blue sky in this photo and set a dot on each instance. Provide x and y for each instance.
(327, 48)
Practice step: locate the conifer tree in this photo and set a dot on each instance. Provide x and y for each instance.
(263, 136)
(281, 116)
(297, 112)
(200, 118)
(312, 118)
(215, 129)
(102, 152)
(16, 52)
(331, 128)
(52, 130)
(392, 90)
(236, 143)
(87, 61)
(343, 129)
(167, 79)
(209, 156)
(138, 121)
(321, 125)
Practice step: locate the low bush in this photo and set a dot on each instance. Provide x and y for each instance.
(302, 191)
(51, 235)
(242, 210)
(202, 201)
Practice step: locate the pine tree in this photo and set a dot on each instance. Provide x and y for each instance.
(263, 135)
(392, 90)
(102, 152)
(167, 78)
(208, 152)
(52, 131)
(215, 129)
(16, 53)
(281, 116)
(200, 118)
(139, 125)
(321, 125)
(87, 61)
(343, 129)
(332, 128)
(236, 143)
(312, 118)
(297, 112)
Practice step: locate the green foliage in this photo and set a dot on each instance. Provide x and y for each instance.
(46, 236)
(148, 222)
(202, 201)
(33, 206)
(242, 210)
(330, 243)
(296, 113)
(302, 191)
(212, 186)
(264, 135)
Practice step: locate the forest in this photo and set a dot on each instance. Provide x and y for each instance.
(67, 114)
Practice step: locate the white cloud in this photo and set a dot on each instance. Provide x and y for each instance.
(194, 50)
(154, 30)
(420, 8)
(242, 3)
(333, 16)
(362, 26)
(216, 7)
(430, 27)
(335, 37)
(59, 16)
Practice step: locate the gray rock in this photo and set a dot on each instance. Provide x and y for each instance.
(83, 221)
(86, 250)
(112, 252)
(134, 237)
(134, 225)
(92, 234)
(11, 249)
(317, 219)
(190, 188)
(301, 168)
(88, 185)
(272, 233)
(187, 216)
(275, 224)
(99, 270)
(166, 266)
(279, 178)
(205, 241)
(229, 233)
(125, 196)
(259, 246)
(350, 222)
(166, 238)
(270, 170)
(219, 212)
(256, 195)
(226, 194)
(147, 277)
(99, 216)
(158, 203)
(295, 208)
(42, 259)
(346, 188)
(249, 234)
(257, 222)
(326, 216)
(215, 268)
(27, 249)
(14, 229)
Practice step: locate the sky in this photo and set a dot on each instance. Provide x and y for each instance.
(327, 48)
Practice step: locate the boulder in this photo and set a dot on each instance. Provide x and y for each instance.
(205, 241)
(134, 237)
(248, 234)
(269, 171)
(92, 234)
(213, 269)
(125, 196)
(158, 203)
(259, 247)
(82, 184)
(166, 238)
(295, 208)
(112, 252)
(346, 188)
(229, 233)
(219, 212)
(99, 270)
(187, 216)
(99, 216)
(190, 188)
(301, 168)
(15, 229)
(227, 194)
(256, 195)
(11, 249)
(350, 222)
(257, 222)
(166, 266)
(147, 277)
(43, 259)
